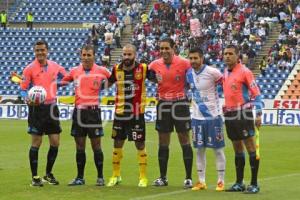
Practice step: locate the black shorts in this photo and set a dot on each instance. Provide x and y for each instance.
(132, 128)
(43, 119)
(87, 122)
(170, 114)
(239, 124)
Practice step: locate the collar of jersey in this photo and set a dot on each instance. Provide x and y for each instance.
(201, 70)
(237, 66)
(135, 66)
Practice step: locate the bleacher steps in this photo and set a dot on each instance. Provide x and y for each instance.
(288, 81)
(127, 37)
(272, 38)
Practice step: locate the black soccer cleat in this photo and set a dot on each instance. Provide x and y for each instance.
(187, 183)
(49, 178)
(237, 187)
(160, 182)
(100, 182)
(36, 182)
(252, 189)
(76, 182)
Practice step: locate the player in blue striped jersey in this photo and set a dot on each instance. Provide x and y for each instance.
(207, 124)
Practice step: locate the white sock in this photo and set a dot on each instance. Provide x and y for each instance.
(220, 163)
(201, 164)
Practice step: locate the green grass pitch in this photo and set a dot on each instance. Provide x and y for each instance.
(279, 169)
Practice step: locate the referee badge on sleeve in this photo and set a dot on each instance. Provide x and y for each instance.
(159, 77)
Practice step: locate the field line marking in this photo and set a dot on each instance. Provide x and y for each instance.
(182, 191)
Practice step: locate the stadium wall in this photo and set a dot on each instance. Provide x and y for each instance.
(276, 112)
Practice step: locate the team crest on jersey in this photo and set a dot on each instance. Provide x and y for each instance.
(138, 75)
(233, 87)
(96, 83)
(177, 78)
(119, 75)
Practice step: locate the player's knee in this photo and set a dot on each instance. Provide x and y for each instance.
(36, 142)
(80, 146)
(140, 145)
(164, 139)
(220, 153)
(118, 143)
(250, 144)
(96, 147)
(238, 146)
(184, 138)
(54, 143)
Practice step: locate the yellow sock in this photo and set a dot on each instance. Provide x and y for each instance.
(142, 159)
(116, 160)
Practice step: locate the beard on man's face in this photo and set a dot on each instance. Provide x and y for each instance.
(128, 62)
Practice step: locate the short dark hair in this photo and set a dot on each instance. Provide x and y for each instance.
(232, 46)
(196, 50)
(41, 42)
(88, 47)
(168, 40)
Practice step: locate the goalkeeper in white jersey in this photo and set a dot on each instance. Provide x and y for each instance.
(207, 124)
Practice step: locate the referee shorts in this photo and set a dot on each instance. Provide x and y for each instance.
(239, 124)
(172, 114)
(87, 122)
(43, 119)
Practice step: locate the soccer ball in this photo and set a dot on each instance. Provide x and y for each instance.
(37, 95)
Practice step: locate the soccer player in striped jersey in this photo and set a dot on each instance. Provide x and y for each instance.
(129, 121)
(207, 124)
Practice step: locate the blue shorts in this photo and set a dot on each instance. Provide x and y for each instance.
(208, 133)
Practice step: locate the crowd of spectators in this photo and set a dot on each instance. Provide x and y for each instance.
(285, 52)
(211, 25)
(119, 13)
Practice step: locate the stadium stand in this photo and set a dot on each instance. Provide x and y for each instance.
(246, 24)
(16, 51)
(291, 87)
(64, 11)
(16, 43)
